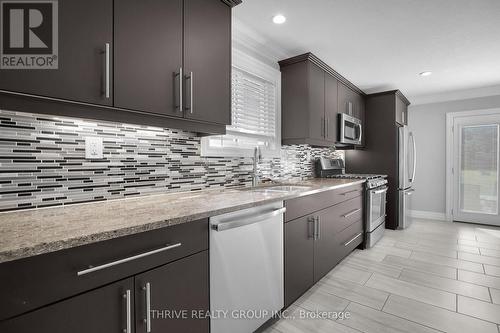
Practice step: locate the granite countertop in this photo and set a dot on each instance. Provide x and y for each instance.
(37, 231)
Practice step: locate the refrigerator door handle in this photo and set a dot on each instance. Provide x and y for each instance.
(412, 179)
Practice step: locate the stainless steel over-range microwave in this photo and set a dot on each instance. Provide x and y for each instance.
(350, 130)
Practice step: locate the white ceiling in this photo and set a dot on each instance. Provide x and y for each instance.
(384, 44)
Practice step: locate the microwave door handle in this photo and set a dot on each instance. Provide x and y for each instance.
(360, 132)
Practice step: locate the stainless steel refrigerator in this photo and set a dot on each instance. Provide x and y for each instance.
(407, 168)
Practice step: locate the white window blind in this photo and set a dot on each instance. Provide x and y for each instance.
(254, 114)
(253, 105)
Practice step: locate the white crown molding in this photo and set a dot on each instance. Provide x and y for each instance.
(247, 39)
(455, 95)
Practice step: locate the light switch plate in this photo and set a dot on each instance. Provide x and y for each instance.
(93, 148)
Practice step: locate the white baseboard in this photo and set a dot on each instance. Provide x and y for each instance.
(422, 214)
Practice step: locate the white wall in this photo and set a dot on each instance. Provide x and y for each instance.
(428, 122)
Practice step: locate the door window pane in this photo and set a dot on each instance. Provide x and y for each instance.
(479, 169)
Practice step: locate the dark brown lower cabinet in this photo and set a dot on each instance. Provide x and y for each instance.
(299, 249)
(103, 310)
(178, 296)
(318, 241)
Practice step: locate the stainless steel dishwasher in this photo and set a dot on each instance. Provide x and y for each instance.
(246, 268)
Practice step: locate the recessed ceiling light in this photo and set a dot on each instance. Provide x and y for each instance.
(279, 19)
(426, 73)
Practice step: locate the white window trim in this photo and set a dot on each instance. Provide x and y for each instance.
(252, 65)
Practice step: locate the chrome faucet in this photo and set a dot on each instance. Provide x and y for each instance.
(257, 157)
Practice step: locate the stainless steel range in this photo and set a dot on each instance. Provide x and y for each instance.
(375, 196)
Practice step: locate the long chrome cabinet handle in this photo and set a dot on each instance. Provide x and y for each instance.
(127, 296)
(121, 261)
(323, 127)
(147, 320)
(327, 127)
(107, 92)
(191, 93)
(181, 89)
(353, 239)
(317, 228)
(351, 213)
(246, 221)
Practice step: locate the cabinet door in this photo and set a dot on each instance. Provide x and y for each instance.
(175, 291)
(84, 29)
(103, 310)
(299, 247)
(326, 255)
(148, 55)
(207, 60)
(331, 108)
(346, 100)
(360, 114)
(401, 112)
(316, 78)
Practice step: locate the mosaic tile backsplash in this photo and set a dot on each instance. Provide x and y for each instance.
(42, 162)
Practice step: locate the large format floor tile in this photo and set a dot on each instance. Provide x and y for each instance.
(492, 270)
(350, 273)
(450, 285)
(372, 266)
(479, 309)
(483, 259)
(438, 318)
(317, 299)
(495, 295)
(423, 266)
(432, 277)
(480, 279)
(456, 263)
(414, 291)
(354, 292)
(441, 251)
(490, 253)
(310, 325)
(366, 319)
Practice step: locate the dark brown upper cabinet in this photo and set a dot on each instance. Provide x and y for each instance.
(151, 72)
(312, 96)
(401, 109)
(207, 60)
(85, 41)
(148, 55)
(160, 63)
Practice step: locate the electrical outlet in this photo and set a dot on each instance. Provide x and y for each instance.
(93, 148)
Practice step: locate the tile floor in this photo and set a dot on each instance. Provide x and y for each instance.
(432, 277)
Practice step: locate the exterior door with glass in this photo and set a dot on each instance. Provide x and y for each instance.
(476, 169)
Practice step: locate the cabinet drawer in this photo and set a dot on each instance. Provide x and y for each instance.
(33, 282)
(348, 239)
(343, 214)
(302, 206)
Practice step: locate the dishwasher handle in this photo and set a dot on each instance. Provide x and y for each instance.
(246, 221)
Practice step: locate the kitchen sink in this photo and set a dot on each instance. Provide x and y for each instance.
(276, 188)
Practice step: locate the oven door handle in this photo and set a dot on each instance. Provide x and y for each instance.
(384, 190)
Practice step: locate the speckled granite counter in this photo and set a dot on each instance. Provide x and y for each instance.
(36, 231)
